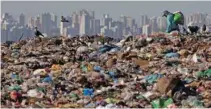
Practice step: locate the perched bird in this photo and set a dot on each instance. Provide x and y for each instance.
(38, 33)
(204, 28)
(193, 29)
(63, 19)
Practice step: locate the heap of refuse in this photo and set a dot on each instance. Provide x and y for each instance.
(94, 72)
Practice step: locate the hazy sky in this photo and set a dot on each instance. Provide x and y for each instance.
(114, 8)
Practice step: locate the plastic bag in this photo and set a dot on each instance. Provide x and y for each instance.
(206, 73)
(152, 78)
(16, 87)
(162, 103)
(88, 91)
(97, 68)
(170, 55)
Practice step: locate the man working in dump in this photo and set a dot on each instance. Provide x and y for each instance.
(173, 21)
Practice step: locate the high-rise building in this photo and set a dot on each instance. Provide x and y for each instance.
(95, 26)
(69, 18)
(72, 31)
(4, 35)
(208, 19)
(162, 23)
(31, 22)
(106, 21)
(22, 19)
(38, 22)
(54, 20)
(5, 30)
(130, 22)
(146, 30)
(84, 24)
(63, 28)
(14, 33)
(153, 23)
(28, 33)
(104, 31)
(143, 20)
(65, 32)
(81, 13)
(93, 15)
(134, 29)
(76, 28)
(75, 18)
(139, 30)
(117, 27)
(198, 19)
(46, 23)
(126, 31)
(123, 19)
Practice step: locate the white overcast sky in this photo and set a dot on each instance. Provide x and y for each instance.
(114, 8)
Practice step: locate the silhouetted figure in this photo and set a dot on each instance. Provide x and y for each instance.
(193, 29)
(63, 19)
(204, 28)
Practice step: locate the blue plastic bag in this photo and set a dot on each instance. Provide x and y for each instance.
(112, 74)
(152, 78)
(97, 68)
(105, 48)
(13, 76)
(115, 80)
(47, 79)
(88, 91)
(170, 55)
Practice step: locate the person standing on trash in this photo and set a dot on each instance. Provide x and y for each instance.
(173, 20)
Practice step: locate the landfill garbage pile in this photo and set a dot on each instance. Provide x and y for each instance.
(91, 72)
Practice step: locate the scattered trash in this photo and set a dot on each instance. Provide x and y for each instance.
(154, 72)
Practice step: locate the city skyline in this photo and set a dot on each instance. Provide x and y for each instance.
(116, 8)
(84, 20)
